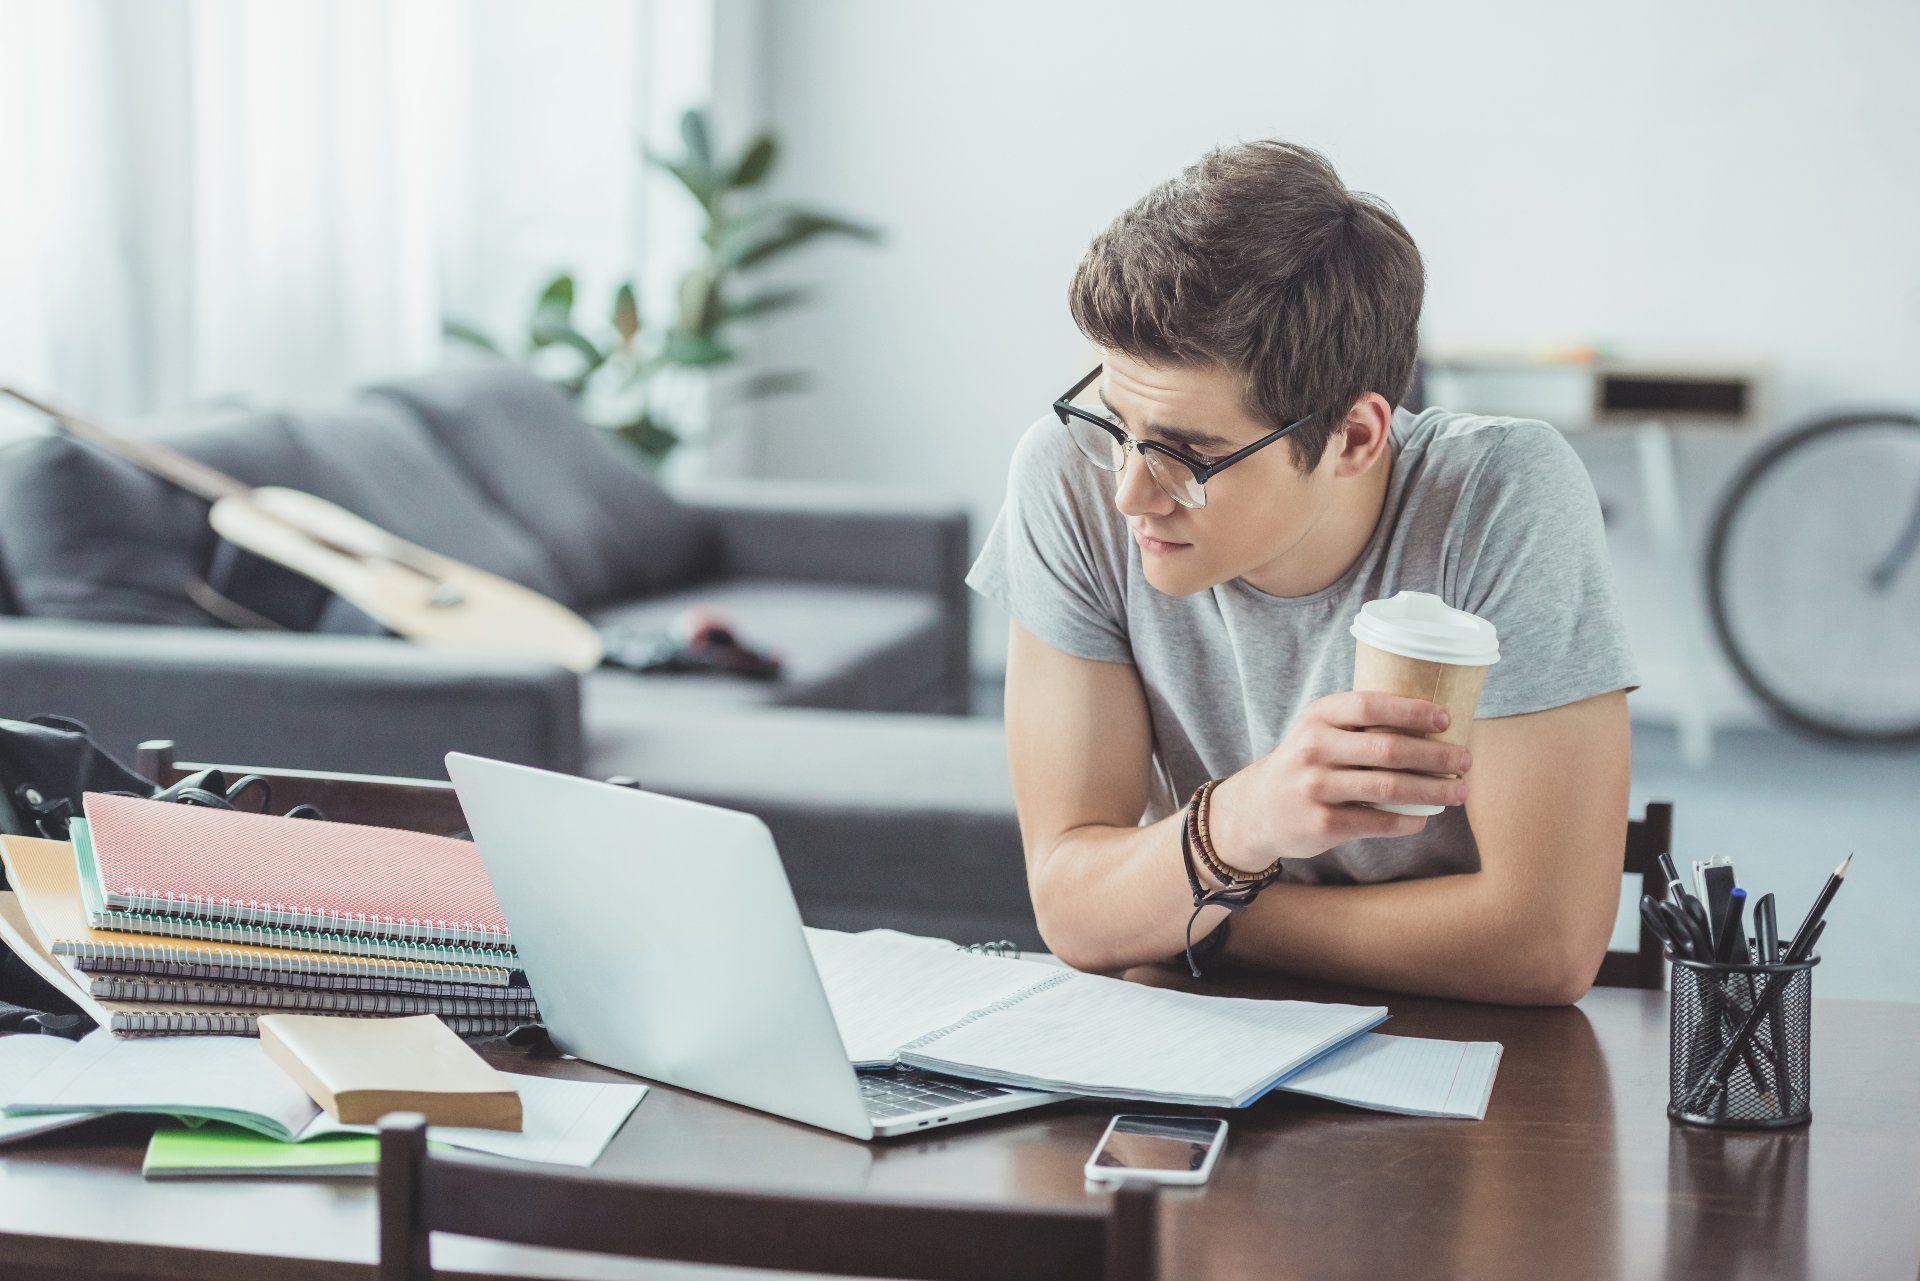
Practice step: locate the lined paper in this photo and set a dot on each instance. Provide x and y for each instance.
(887, 989)
(1410, 1075)
(1106, 1037)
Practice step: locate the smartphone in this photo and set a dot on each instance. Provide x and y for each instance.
(1158, 1149)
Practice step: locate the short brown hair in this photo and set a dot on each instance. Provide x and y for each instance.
(1259, 259)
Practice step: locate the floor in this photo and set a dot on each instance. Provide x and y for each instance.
(1786, 811)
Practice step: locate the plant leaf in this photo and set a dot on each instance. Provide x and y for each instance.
(650, 439)
(693, 132)
(698, 185)
(460, 331)
(695, 350)
(763, 303)
(558, 293)
(754, 164)
(626, 313)
(699, 302)
(553, 314)
(797, 229)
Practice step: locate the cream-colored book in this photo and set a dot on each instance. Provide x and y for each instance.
(358, 1070)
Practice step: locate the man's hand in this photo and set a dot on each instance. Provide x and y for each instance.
(1312, 792)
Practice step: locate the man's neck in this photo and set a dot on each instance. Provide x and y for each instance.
(1329, 548)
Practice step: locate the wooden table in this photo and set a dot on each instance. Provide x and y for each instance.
(1576, 1172)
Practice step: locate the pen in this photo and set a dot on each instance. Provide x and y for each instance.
(1674, 891)
(1766, 930)
(1803, 941)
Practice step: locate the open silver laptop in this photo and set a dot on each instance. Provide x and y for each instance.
(661, 938)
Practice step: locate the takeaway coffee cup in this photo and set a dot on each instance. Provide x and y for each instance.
(1416, 644)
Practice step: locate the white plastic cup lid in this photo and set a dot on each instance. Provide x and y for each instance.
(1421, 625)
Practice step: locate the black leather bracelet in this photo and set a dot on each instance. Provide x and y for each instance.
(1233, 898)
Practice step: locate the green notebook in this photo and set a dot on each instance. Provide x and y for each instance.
(226, 1152)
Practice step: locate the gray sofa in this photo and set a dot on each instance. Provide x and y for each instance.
(861, 595)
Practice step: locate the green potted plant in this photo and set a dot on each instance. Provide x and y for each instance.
(641, 382)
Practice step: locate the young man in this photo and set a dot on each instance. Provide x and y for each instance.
(1183, 550)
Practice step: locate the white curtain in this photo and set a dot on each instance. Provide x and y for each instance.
(275, 200)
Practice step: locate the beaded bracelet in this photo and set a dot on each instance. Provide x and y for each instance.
(1199, 832)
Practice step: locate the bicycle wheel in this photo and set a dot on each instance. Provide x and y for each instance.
(1813, 577)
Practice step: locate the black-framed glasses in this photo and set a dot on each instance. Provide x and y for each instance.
(1180, 476)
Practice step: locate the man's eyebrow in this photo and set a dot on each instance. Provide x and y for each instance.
(1176, 435)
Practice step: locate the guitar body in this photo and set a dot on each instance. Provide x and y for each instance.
(415, 593)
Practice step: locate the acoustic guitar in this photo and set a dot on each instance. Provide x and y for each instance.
(417, 594)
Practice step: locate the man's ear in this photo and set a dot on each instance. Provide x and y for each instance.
(1362, 436)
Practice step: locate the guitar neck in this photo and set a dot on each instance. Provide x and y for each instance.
(169, 465)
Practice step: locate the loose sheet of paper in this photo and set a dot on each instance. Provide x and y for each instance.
(1405, 1074)
(887, 989)
(563, 1122)
(24, 1056)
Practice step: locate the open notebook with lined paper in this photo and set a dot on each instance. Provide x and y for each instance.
(902, 999)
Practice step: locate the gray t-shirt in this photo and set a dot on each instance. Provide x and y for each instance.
(1494, 515)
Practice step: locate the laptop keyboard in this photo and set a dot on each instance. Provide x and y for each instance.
(898, 1092)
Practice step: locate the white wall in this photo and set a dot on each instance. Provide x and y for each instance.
(1666, 179)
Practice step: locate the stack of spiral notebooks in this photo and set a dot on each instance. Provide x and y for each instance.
(179, 920)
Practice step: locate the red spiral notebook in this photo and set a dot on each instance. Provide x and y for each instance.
(300, 873)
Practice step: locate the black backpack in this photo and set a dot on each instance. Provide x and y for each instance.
(46, 764)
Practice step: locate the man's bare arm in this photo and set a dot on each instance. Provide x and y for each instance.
(1109, 893)
(1548, 809)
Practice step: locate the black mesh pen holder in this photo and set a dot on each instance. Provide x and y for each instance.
(1719, 1077)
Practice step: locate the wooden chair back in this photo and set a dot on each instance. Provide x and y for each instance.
(1647, 839)
(424, 1192)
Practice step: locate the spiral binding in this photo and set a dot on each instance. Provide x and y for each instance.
(85, 953)
(999, 947)
(1004, 1003)
(304, 940)
(138, 1023)
(291, 917)
(279, 998)
(268, 977)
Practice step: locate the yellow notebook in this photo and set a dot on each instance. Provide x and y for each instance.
(44, 875)
(358, 1070)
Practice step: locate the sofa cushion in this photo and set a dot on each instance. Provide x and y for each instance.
(92, 538)
(876, 648)
(379, 462)
(87, 536)
(613, 533)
